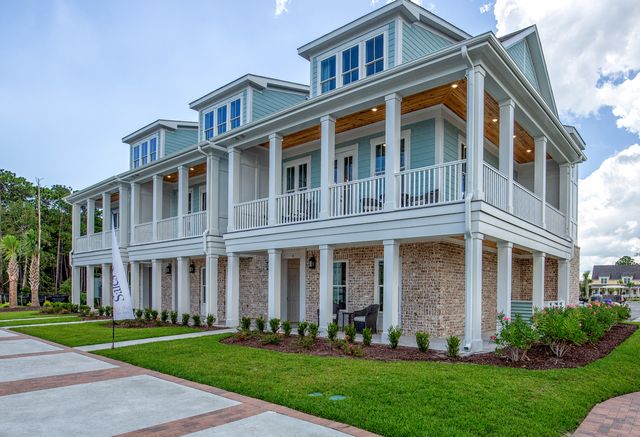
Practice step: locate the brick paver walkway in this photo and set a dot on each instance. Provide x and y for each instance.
(94, 370)
(615, 417)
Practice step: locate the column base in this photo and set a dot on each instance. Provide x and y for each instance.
(231, 323)
(474, 345)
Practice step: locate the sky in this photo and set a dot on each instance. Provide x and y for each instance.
(77, 76)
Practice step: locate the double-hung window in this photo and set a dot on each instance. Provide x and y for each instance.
(328, 74)
(136, 157)
(604, 281)
(208, 125)
(234, 109)
(374, 55)
(144, 150)
(380, 154)
(153, 149)
(222, 119)
(350, 65)
(380, 283)
(297, 175)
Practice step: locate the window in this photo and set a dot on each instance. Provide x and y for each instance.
(328, 74)
(297, 175)
(153, 149)
(203, 201)
(208, 125)
(190, 201)
(136, 157)
(374, 55)
(222, 119)
(380, 282)
(203, 284)
(350, 65)
(115, 218)
(235, 113)
(144, 149)
(626, 280)
(604, 281)
(340, 284)
(380, 151)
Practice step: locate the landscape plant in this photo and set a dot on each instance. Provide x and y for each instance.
(394, 336)
(138, 313)
(260, 324)
(174, 317)
(350, 333)
(164, 316)
(286, 328)
(10, 247)
(302, 329)
(245, 323)
(367, 335)
(185, 318)
(332, 331)
(453, 346)
(313, 331)
(274, 324)
(422, 340)
(515, 337)
(559, 329)
(197, 320)
(154, 315)
(211, 319)
(147, 314)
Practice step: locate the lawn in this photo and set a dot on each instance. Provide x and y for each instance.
(97, 333)
(402, 398)
(40, 320)
(12, 315)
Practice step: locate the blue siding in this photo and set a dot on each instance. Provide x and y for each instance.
(268, 101)
(491, 159)
(521, 54)
(315, 167)
(179, 139)
(392, 44)
(451, 133)
(417, 42)
(244, 106)
(423, 143)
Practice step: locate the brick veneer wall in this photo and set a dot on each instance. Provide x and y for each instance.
(551, 279)
(312, 287)
(195, 305)
(167, 287)
(222, 288)
(254, 286)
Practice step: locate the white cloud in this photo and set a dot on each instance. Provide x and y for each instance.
(609, 200)
(485, 8)
(281, 7)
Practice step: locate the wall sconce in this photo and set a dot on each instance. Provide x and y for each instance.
(312, 262)
(167, 269)
(192, 268)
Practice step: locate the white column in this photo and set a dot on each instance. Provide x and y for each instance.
(91, 216)
(157, 203)
(275, 285)
(275, 175)
(75, 285)
(156, 284)
(233, 290)
(91, 292)
(212, 285)
(564, 192)
(234, 187)
(540, 174)
(75, 224)
(136, 301)
(124, 208)
(326, 287)
(135, 208)
(106, 285)
(506, 121)
(538, 279)
(327, 158)
(473, 293)
(391, 313)
(564, 283)
(213, 195)
(505, 263)
(184, 291)
(393, 103)
(475, 130)
(183, 197)
(106, 219)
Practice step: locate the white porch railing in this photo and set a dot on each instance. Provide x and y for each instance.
(300, 206)
(167, 229)
(108, 240)
(94, 242)
(555, 221)
(495, 187)
(526, 205)
(251, 214)
(143, 233)
(442, 183)
(82, 244)
(194, 224)
(362, 196)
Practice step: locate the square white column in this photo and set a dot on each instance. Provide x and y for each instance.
(90, 286)
(184, 289)
(275, 284)
(391, 313)
(506, 121)
(540, 175)
(136, 301)
(234, 187)
(327, 158)
(135, 208)
(275, 175)
(393, 104)
(326, 287)
(505, 264)
(538, 280)
(124, 213)
(212, 285)
(75, 285)
(91, 216)
(76, 213)
(233, 290)
(564, 198)
(106, 219)
(106, 285)
(183, 197)
(158, 186)
(475, 131)
(213, 195)
(473, 293)
(564, 283)
(156, 284)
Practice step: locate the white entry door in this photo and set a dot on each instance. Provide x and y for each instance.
(344, 168)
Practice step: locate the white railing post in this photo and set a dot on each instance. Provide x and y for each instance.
(393, 103)
(506, 121)
(275, 175)
(157, 203)
(183, 197)
(234, 187)
(327, 156)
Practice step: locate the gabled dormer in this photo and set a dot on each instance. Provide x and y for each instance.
(242, 101)
(158, 139)
(394, 34)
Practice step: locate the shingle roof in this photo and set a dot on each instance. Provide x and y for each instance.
(616, 272)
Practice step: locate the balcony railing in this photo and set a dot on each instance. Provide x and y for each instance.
(442, 183)
(556, 220)
(252, 214)
(194, 224)
(362, 196)
(82, 244)
(167, 229)
(300, 206)
(495, 187)
(143, 233)
(526, 205)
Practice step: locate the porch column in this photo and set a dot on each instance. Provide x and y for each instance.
(564, 283)
(75, 285)
(76, 214)
(475, 131)
(106, 220)
(392, 120)
(327, 158)
(156, 284)
(91, 216)
(213, 195)
(135, 208)
(473, 292)
(184, 291)
(106, 285)
(234, 187)
(91, 292)
(391, 313)
(275, 175)
(564, 198)
(233, 290)
(124, 207)
(540, 175)
(183, 197)
(275, 284)
(326, 287)
(506, 121)
(212, 285)
(136, 301)
(538, 279)
(157, 203)
(505, 263)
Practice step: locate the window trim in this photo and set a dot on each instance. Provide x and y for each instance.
(629, 279)
(296, 163)
(203, 199)
(340, 153)
(138, 146)
(404, 135)
(203, 285)
(604, 280)
(346, 286)
(376, 292)
(214, 109)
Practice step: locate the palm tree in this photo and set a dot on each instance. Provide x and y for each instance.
(11, 249)
(27, 248)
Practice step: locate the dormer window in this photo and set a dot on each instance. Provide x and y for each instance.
(328, 74)
(136, 157)
(604, 281)
(350, 65)
(208, 125)
(374, 62)
(145, 151)
(153, 149)
(235, 113)
(222, 118)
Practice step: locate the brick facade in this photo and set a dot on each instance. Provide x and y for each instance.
(254, 286)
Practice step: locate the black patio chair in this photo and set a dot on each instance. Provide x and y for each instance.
(367, 318)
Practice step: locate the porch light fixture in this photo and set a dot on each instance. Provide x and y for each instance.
(454, 85)
(312, 263)
(528, 150)
(167, 269)
(191, 168)
(514, 137)
(495, 120)
(192, 268)
(374, 109)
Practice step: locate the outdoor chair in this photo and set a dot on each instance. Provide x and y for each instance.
(367, 318)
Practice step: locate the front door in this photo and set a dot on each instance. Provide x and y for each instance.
(293, 290)
(343, 171)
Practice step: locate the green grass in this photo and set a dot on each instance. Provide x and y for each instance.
(97, 333)
(58, 319)
(11, 315)
(402, 398)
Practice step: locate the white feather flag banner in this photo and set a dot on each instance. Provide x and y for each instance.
(122, 309)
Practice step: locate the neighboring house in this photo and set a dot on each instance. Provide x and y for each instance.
(427, 172)
(615, 280)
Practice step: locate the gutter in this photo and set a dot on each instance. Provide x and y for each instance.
(206, 231)
(468, 197)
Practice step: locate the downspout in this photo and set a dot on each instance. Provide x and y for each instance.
(468, 197)
(206, 231)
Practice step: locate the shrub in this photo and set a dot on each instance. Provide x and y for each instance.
(590, 324)
(453, 346)
(47, 304)
(559, 329)
(306, 342)
(173, 315)
(422, 339)
(147, 314)
(313, 330)
(367, 334)
(185, 318)
(164, 315)
(197, 320)
(332, 331)
(606, 316)
(245, 323)
(352, 349)
(154, 314)
(138, 314)
(260, 323)
(350, 333)
(515, 337)
(75, 307)
(394, 336)
(286, 328)
(274, 324)
(272, 338)
(211, 319)
(108, 310)
(623, 312)
(100, 311)
(302, 328)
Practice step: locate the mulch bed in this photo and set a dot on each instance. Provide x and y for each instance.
(18, 309)
(125, 324)
(538, 358)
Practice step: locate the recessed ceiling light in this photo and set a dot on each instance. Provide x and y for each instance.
(191, 168)
(454, 85)
(514, 137)
(374, 109)
(495, 120)
(528, 150)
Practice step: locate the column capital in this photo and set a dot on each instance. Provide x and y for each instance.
(275, 136)
(274, 251)
(390, 242)
(539, 255)
(504, 244)
(325, 247)
(506, 103)
(475, 236)
(540, 139)
(393, 96)
(327, 119)
(234, 151)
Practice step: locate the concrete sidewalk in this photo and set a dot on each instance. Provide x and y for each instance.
(97, 347)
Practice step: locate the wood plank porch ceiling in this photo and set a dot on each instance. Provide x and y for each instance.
(194, 170)
(453, 97)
